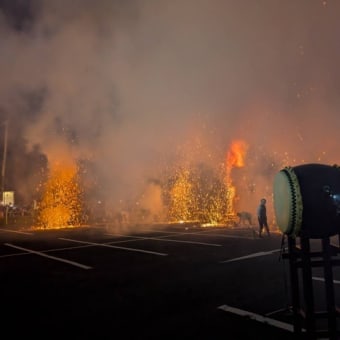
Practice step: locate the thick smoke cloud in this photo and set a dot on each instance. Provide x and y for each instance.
(127, 84)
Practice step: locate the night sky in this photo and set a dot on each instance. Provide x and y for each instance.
(136, 88)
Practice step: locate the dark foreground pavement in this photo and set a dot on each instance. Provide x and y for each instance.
(153, 282)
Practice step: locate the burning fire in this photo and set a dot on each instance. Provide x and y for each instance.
(204, 194)
(60, 205)
(194, 192)
(235, 158)
(236, 155)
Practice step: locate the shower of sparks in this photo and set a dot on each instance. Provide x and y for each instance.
(205, 194)
(201, 186)
(60, 205)
(197, 194)
(182, 199)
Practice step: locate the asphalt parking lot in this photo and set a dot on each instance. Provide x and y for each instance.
(148, 282)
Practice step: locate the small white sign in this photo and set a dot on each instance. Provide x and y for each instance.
(8, 197)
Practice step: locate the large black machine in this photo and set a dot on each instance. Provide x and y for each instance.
(307, 200)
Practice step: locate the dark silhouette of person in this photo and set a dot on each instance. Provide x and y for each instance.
(262, 217)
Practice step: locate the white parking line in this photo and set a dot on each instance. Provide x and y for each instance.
(225, 236)
(281, 310)
(49, 256)
(261, 253)
(202, 232)
(115, 247)
(16, 232)
(316, 278)
(164, 232)
(257, 317)
(165, 239)
(48, 251)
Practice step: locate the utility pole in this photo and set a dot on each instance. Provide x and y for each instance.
(3, 168)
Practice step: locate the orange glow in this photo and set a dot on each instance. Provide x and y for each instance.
(196, 195)
(235, 158)
(236, 155)
(181, 197)
(60, 206)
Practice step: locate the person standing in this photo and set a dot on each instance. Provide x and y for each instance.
(262, 217)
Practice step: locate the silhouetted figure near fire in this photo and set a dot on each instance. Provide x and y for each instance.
(244, 217)
(262, 217)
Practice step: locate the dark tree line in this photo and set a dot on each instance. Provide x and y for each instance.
(24, 168)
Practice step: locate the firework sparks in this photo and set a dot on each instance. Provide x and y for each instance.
(60, 205)
(182, 197)
(206, 194)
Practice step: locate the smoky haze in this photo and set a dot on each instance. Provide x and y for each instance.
(135, 87)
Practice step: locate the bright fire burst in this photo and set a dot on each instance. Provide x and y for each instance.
(182, 198)
(235, 159)
(204, 194)
(60, 205)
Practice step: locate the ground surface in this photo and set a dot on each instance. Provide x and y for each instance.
(152, 282)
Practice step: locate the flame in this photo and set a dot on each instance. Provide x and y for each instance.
(235, 159)
(236, 155)
(206, 194)
(60, 205)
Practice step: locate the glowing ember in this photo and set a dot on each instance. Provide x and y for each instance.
(197, 194)
(181, 198)
(203, 193)
(61, 204)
